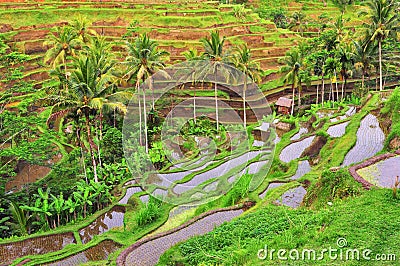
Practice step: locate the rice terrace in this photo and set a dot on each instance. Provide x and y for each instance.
(231, 132)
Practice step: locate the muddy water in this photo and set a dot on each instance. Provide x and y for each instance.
(150, 252)
(144, 198)
(302, 169)
(338, 130)
(293, 197)
(370, 138)
(129, 192)
(95, 253)
(104, 223)
(215, 172)
(294, 150)
(165, 180)
(34, 246)
(271, 185)
(383, 173)
(301, 132)
(349, 113)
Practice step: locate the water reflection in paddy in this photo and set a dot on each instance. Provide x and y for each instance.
(104, 223)
(370, 138)
(383, 173)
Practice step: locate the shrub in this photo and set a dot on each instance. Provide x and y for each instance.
(149, 213)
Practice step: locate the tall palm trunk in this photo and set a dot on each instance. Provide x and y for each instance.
(145, 122)
(140, 114)
(323, 90)
(244, 102)
(152, 92)
(65, 72)
(78, 135)
(90, 147)
(336, 85)
(291, 112)
(194, 103)
(98, 147)
(380, 65)
(299, 97)
(216, 102)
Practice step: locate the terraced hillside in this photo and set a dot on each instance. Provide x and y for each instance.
(176, 25)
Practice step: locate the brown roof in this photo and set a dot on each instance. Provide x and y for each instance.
(282, 101)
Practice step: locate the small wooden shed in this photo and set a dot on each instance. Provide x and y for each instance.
(284, 105)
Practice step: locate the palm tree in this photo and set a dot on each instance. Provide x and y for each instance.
(213, 50)
(80, 26)
(63, 43)
(383, 22)
(331, 66)
(293, 62)
(144, 60)
(345, 56)
(243, 61)
(297, 21)
(90, 92)
(192, 56)
(364, 52)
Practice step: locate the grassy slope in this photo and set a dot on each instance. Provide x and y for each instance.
(366, 222)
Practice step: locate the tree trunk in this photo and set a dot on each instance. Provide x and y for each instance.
(90, 148)
(152, 92)
(299, 97)
(244, 103)
(216, 102)
(316, 101)
(98, 149)
(323, 90)
(65, 73)
(194, 104)
(145, 123)
(380, 65)
(140, 114)
(291, 112)
(363, 78)
(337, 89)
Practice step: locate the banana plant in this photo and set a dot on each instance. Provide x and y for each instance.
(59, 206)
(97, 189)
(71, 205)
(83, 196)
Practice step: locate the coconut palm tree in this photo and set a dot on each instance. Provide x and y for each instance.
(291, 70)
(364, 52)
(383, 21)
(214, 51)
(250, 68)
(144, 60)
(332, 64)
(90, 92)
(63, 42)
(192, 56)
(345, 55)
(80, 26)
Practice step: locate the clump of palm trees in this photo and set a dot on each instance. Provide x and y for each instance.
(338, 53)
